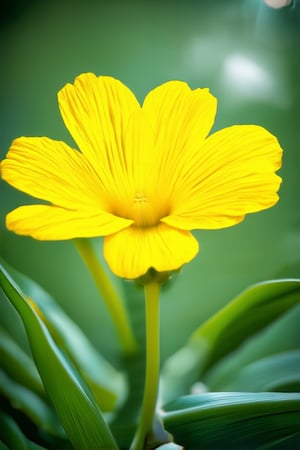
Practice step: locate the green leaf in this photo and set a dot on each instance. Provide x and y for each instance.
(241, 420)
(11, 434)
(3, 446)
(78, 412)
(31, 405)
(279, 372)
(250, 312)
(246, 315)
(18, 364)
(12, 437)
(106, 383)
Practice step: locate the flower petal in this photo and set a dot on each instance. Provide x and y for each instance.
(131, 252)
(181, 119)
(134, 193)
(53, 223)
(96, 111)
(232, 175)
(52, 171)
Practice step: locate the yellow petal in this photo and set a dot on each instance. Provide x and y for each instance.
(134, 192)
(232, 175)
(96, 111)
(181, 119)
(52, 223)
(52, 171)
(132, 251)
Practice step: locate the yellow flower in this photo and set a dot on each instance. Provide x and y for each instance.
(145, 175)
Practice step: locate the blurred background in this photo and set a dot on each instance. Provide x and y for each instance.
(245, 51)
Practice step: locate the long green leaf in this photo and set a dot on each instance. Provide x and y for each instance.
(279, 372)
(106, 383)
(11, 434)
(12, 437)
(35, 408)
(78, 412)
(233, 420)
(248, 314)
(18, 364)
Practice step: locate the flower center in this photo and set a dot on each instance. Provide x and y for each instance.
(144, 209)
(140, 198)
(143, 212)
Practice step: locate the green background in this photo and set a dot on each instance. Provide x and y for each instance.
(245, 52)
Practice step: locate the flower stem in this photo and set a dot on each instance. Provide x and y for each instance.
(152, 366)
(109, 294)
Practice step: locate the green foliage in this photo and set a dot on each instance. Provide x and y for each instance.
(17, 364)
(31, 405)
(279, 372)
(107, 384)
(63, 388)
(226, 331)
(13, 437)
(75, 406)
(243, 420)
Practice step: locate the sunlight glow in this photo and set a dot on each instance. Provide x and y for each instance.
(246, 75)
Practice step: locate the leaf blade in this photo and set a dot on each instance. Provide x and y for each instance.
(18, 364)
(252, 311)
(106, 383)
(245, 420)
(35, 408)
(279, 372)
(80, 416)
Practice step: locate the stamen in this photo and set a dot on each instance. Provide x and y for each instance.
(140, 198)
(144, 215)
(145, 212)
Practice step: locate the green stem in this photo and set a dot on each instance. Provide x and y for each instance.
(152, 366)
(109, 294)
